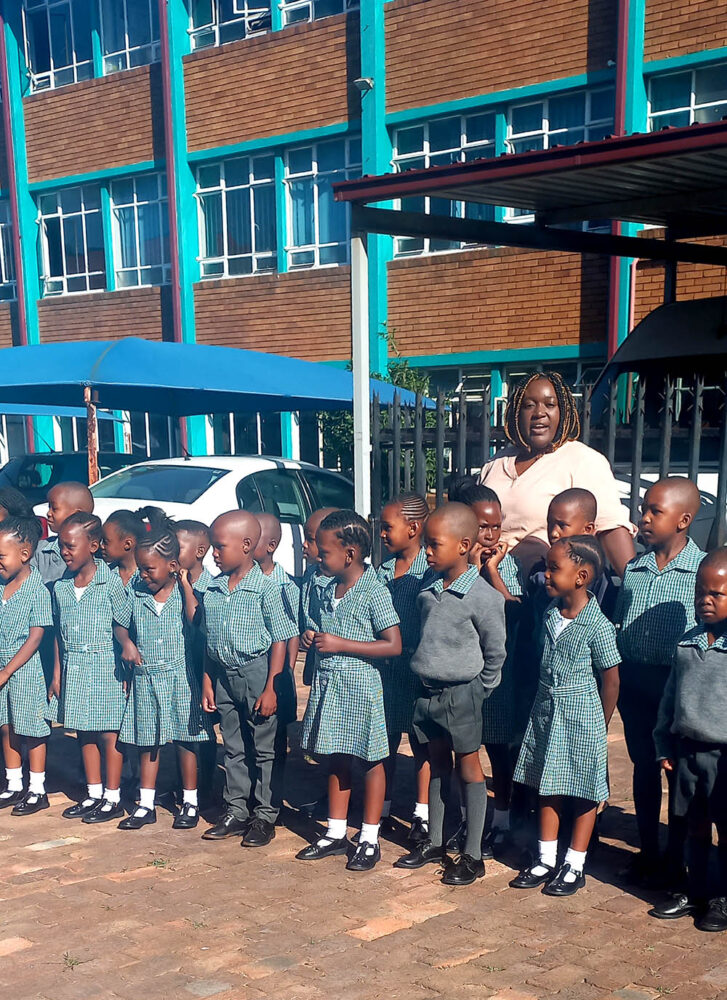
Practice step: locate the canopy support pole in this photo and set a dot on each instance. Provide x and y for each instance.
(92, 435)
(360, 360)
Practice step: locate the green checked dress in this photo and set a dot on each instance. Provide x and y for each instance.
(501, 722)
(400, 685)
(164, 702)
(564, 749)
(345, 711)
(23, 700)
(92, 696)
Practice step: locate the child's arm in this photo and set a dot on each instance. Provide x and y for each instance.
(610, 683)
(489, 620)
(208, 689)
(387, 645)
(491, 568)
(29, 647)
(190, 598)
(267, 703)
(55, 684)
(129, 652)
(663, 737)
(293, 647)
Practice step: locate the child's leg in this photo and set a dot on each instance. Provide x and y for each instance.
(91, 756)
(114, 766)
(440, 760)
(187, 758)
(424, 774)
(149, 772)
(549, 807)
(390, 773)
(475, 798)
(374, 791)
(339, 788)
(36, 761)
(503, 757)
(584, 821)
(699, 848)
(13, 764)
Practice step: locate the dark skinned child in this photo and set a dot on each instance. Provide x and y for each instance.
(121, 531)
(310, 589)
(63, 500)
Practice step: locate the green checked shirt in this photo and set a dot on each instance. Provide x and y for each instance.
(290, 593)
(311, 588)
(243, 623)
(88, 623)
(404, 592)
(655, 607)
(161, 635)
(361, 615)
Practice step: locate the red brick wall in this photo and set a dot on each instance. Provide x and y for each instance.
(694, 281)
(675, 27)
(299, 78)
(8, 323)
(135, 312)
(441, 50)
(302, 314)
(96, 124)
(493, 300)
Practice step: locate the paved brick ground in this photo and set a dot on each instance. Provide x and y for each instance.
(93, 913)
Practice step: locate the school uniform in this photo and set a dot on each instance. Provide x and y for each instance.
(92, 697)
(401, 687)
(23, 699)
(241, 625)
(47, 560)
(502, 724)
(164, 704)
(285, 686)
(345, 711)
(312, 586)
(564, 750)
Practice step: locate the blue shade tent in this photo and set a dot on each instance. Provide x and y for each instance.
(36, 410)
(174, 379)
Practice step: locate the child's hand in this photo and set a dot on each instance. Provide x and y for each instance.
(267, 703)
(4, 677)
(327, 643)
(54, 688)
(476, 555)
(208, 694)
(667, 765)
(183, 576)
(306, 640)
(130, 655)
(497, 555)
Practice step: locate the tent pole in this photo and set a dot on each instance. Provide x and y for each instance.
(92, 435)
(360, 359)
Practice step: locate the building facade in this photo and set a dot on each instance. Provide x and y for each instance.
(166, 171)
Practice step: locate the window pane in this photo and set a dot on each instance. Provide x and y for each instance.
(112, 13)
(301, 197)
(94, 243)
(53, 245)
(264, 200)
(150, 236)
(122, 192)
(602, 104)
(201, 13)
(710, 84)
(91, 197)
(673, 91)
(300, 160)
(75, 258)
(567, 111)
(127, 236)
(445, 134)
(331, 155)
(713, 113)
(39, 41)
(60, 36)
(147, 188)
(139, 23)
(263, 168)
(209, 177)
(331, 214)
(239, 238)
(212, 231)
(528, 118)
(479, 128)
(71, 200)
(409, 140)
(676, 119)
(82, 30)
(237, 172)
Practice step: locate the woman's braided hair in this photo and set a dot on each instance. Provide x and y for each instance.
(569, 425)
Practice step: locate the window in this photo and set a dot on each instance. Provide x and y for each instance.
(129, 33)
(281, 495)
(295, 11)
(318, 226)
(57, 42)
(140, 230)
(248, 497)
(159, 483)
(237, 216)
(328, 489)
(72, 241)
(214, 22)
(698, 95)
(7, 259)
(442, 141)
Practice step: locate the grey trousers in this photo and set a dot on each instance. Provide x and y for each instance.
(249, 740)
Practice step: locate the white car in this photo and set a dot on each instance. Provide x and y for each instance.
(202, 488)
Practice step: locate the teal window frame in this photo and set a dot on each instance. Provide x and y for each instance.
(306, 11)
(129, 55)
(220, 29)
(82, 280)
(694, 110)
(124, 210)
(59, 74)
(8, 286)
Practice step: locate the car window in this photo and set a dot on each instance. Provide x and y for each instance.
(248, 497)
(281, 495)
(35, 474)
(328, 489)
(171, 483)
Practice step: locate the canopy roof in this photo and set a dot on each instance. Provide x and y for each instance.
(175, 379)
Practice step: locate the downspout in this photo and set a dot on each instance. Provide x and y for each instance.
(614, 282)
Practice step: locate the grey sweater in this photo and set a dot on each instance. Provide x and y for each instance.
(462, 632)
(694, 703)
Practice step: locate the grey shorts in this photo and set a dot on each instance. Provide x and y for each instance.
(701, 780)
(452, 713)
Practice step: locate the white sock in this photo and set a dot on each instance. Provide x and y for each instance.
(548, 854)
(577, 861)
(337, 829)
(501, 819)
(95, 791)
(369, 833)
(189, 797)
(14, 777)
(36, 784)
(112, 795)
(146, 798)
(386, 810)
(421, 810)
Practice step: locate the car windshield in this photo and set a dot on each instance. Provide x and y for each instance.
(170, 483)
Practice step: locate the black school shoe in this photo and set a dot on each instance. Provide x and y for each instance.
(528, 880)
(558, 885)
(364, 858)
(463, 870)
(259, 833)
(228, 826)
(424, 853)
(104, 812)
(324, 847)
(11, 799)
(419, 830)
(187, 817)
(145, 817)
(457, 841)
(494, 843)
(31, 803)
(715, 919)
(675, 906)
(81, 809)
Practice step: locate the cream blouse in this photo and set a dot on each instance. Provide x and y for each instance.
(525, 499)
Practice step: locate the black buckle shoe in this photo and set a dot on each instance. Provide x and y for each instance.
(228, 826)
(324, 847)
(8, 799)
(31, 803)
(259, 833)
(463, 870)
(558, 885)
(187, 817)
(365, 857)
(81, 809)
(139, 818)
(675, 906)
(419, 831)
(104, 812)
(423, 854)
(528, 880)
(715, 918)
(457, 841)
(494, 842)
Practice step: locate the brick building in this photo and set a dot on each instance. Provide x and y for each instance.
(240, 114)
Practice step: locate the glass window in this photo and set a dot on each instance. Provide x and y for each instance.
(442, 141)
(248, 497)
(72, 241)
(328, 489)
(237, 216)
(698, 95)
(140, 230)
(129, 33)
(7, 259)
(295, 11)
(57, 39)
(281, 495)
(317, 225)
(159, 483)
(214, 22)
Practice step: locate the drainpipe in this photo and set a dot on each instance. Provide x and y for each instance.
(614, 281)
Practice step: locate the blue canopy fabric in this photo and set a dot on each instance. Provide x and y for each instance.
(36, 410)
(175, 379)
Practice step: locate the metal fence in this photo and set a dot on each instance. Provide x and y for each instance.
(654, 425)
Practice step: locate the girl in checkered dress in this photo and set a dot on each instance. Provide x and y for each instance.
(164, 704)
(344, 719)
(87, 692)
(121, 532)
(25, 613)
(402, 526)
(564, 752)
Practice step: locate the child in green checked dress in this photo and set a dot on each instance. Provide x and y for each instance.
(564, 753)
(90, 607)
(25, 614)
(164, 704)
(402, 526)
(121, 531)
(344, 719)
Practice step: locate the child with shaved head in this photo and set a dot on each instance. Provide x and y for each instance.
(63, 500)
